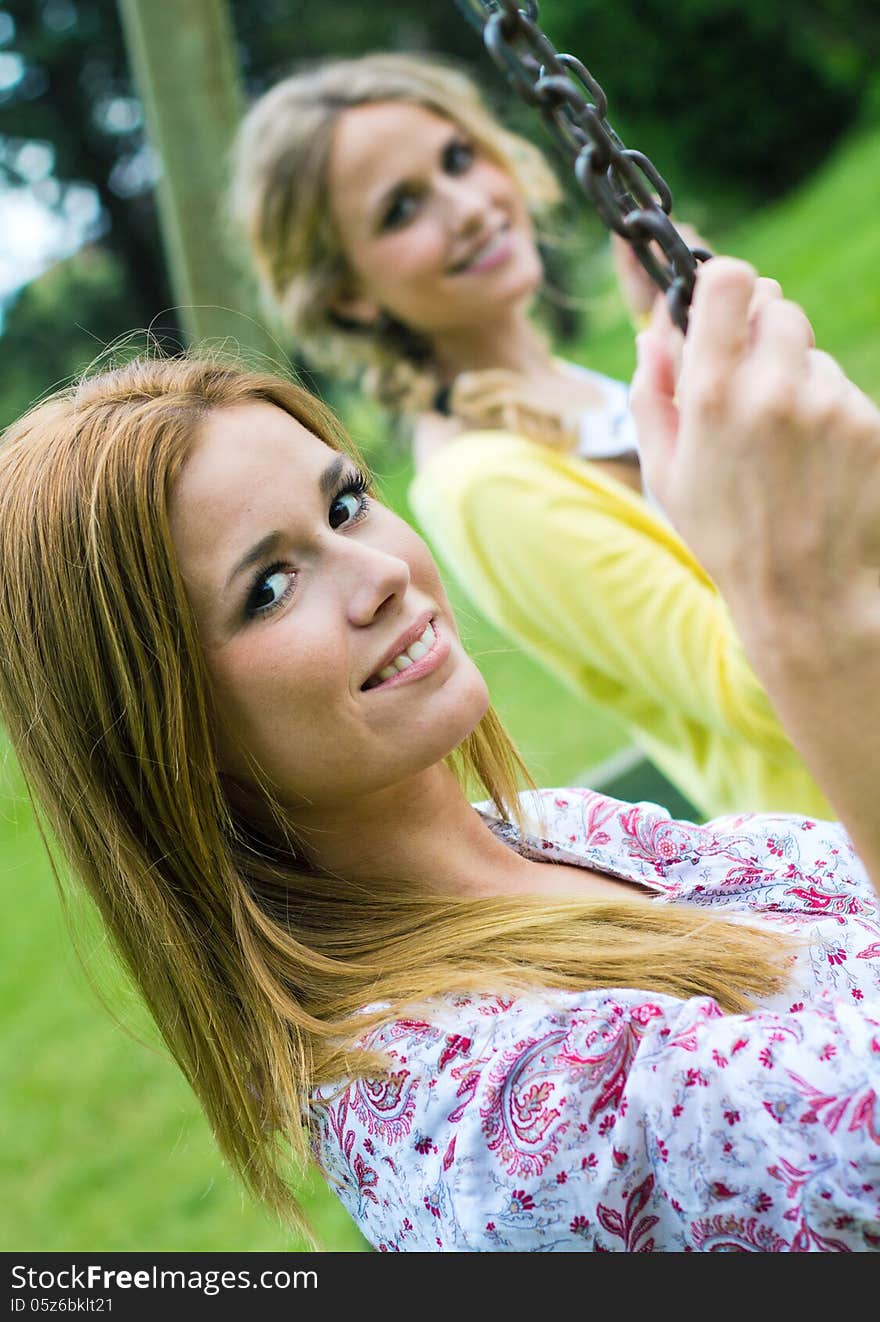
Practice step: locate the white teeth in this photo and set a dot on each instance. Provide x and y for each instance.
(421, 647)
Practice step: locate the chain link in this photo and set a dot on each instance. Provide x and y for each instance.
(627, 190)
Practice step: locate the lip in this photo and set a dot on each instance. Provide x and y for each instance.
(415, 631)
(430, 661)
(499, 245)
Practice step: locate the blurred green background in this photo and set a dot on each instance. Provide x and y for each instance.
(765, 118)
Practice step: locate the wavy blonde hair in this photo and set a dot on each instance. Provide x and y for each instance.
(280, 203)
(251, 962)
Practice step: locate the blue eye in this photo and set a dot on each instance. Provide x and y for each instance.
(350, 502)
(344, 508)
(271, 587)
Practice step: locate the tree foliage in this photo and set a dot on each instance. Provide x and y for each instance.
(76, 95)
(739, 97)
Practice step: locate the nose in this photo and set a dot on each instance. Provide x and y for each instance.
(465, 202)
(374, 583)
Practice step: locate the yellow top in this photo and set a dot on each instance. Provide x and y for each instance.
(601, 590)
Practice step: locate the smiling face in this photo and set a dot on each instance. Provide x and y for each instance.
(434, 231)
(333, 657)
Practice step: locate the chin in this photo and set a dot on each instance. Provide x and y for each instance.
(473, 707)
(522, 285)
(460, 715)
(528, 262)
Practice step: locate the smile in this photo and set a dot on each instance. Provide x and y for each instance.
(496, 249)
(420, 658)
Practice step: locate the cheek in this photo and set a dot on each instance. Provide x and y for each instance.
(510, 199)
(422, 565)
(266, 691)
(418, 251)
(501, 186)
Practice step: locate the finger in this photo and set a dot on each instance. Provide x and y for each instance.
(622, 252)
(826, 368)
(783, 335)
(766, 291)
(856, 408)
(718, 328)
(661, 322)
(652, 403)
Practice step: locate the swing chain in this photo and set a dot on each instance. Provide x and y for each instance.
(629, 193)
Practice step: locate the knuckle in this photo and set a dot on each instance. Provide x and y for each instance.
(723, 272)
(712, 392)
(776, 399)
(768, 288)
(865, 420)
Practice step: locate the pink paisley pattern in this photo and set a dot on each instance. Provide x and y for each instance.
(607, 1050)
(622, 1121)
(520, 1122)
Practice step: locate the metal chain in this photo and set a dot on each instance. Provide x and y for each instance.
(629, 193)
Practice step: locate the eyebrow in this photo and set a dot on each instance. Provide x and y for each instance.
(327, 484)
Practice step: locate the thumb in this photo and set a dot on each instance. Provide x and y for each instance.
(653, 406)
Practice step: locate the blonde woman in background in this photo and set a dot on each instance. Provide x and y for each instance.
(546, 1021)
(391, 220)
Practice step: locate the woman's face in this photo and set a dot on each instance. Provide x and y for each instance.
(434, 232)
(333, 656)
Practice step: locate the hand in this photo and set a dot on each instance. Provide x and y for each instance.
(663, 328)
(768, 460)
(768, 463)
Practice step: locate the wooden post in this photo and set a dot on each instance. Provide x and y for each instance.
(182, 56)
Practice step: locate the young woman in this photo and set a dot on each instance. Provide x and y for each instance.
(391, 220)
(553, 1021)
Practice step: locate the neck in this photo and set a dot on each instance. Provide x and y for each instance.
(424, 833)
(509, 341)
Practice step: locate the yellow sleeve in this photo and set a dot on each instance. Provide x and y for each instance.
(588, 579)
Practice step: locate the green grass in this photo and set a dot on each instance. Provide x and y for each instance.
(823, 246)
(104, 1148)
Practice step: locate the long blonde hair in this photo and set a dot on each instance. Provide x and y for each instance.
(253, 965)
(280, 203)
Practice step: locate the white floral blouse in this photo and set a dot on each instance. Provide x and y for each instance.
(621, 1120)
